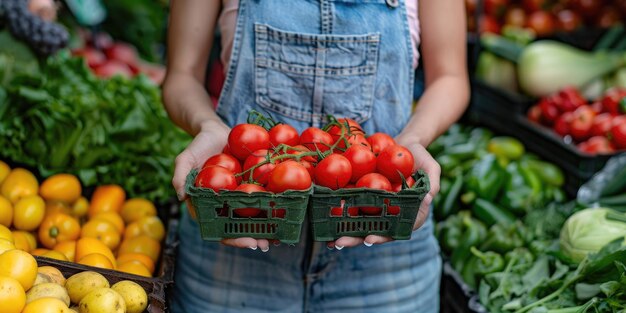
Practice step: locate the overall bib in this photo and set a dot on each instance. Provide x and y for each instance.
(300, 60)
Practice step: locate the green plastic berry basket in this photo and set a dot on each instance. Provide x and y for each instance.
(336, 213)
(281, 214)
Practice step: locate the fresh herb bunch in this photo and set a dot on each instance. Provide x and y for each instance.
(64, 119)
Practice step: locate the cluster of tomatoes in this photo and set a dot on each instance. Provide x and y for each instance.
(596, 128)
(277, 159)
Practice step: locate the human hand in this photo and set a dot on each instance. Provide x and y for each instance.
(423, 161)
(211, 139)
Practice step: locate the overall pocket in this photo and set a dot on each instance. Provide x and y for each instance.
(307, 76)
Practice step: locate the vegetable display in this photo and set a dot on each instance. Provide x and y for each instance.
(546, 256)
(53, 219)
(63, 119)
(598, 127)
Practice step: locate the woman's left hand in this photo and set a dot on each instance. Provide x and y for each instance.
(423, 161)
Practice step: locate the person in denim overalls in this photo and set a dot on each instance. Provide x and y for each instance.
(301, 60)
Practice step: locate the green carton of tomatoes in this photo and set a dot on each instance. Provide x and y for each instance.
(360, 212)
(227, 214)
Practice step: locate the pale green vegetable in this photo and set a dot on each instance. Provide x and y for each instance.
(496, 72)
(589, 230)
(544, 67)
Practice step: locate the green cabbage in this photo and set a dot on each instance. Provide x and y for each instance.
(589, 230)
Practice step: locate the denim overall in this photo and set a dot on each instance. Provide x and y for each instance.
(300, 60)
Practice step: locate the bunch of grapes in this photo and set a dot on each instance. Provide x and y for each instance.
(45, 38)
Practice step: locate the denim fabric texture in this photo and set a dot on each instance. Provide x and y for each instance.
(300, 60)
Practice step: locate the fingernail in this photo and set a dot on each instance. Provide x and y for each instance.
(330, 248)
(368, 244)
(338, 247)
(179, 196)
(276, 243)
(253, 248)
(265, 249)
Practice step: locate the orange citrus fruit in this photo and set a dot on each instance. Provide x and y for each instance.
(24, 240)
(68, 248)
(136, 208)
(6, 211)
(141, 244)
(144, 259)
(85, 246)
(28, 213)
(12, 295)
(113, 218)
(96, 260)
(134, 267)
(19, 265)
(18, 184)
(108, 198)
(102, 230)
(61, 187)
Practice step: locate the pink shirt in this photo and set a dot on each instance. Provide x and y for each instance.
(228, 20)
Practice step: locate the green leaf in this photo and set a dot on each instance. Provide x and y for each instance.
(586, 291)
(610, 287)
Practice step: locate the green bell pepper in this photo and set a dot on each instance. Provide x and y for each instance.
(547, 172)
(502, 238)
(506, 147)
(488, 262)
(474, 233)
(490, 213)
(486, 178)
(451, 201)
(521, 255)
(522, 190)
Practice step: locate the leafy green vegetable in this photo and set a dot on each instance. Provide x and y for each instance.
(105, 131)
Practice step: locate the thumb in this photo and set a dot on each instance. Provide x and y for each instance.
(183, 165)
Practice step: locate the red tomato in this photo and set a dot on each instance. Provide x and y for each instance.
(373, 181)
(316, 139)
(495, 8)
(549, 111)
(489, 24)
(122, 52)
(333, 172)
(224, 160)
(569, 99)
(542, 23)
(244, 139)
(350, 185)
(380, 141)
(261, 173)
(309, 167)
(362, 160)
(597, 145)
(470, 6)
(359, 140)
(226, 150)
(562, 124)
(93, 57)
(568, 20)
(618, 132)
(336, 211)
(216, 178)
(249, 212)
(580, 127)
(283, 133)
(515, 16)
(597, 107)
(111, 68)
(601, 124)
(353, 128)
(393, 161)
(288, 175)
(298, 149)
(588, 8)
(534, 114)
(611, 100)
(396, 187)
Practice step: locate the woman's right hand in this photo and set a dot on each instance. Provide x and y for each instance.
(211, 140)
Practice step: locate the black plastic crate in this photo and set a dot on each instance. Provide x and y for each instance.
(455, 296)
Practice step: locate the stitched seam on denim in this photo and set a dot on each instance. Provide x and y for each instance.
(281, 36)
(409, 45)
(367, 69)
(326, 15)
(318, 83)
(368, 99)
(234, 55)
